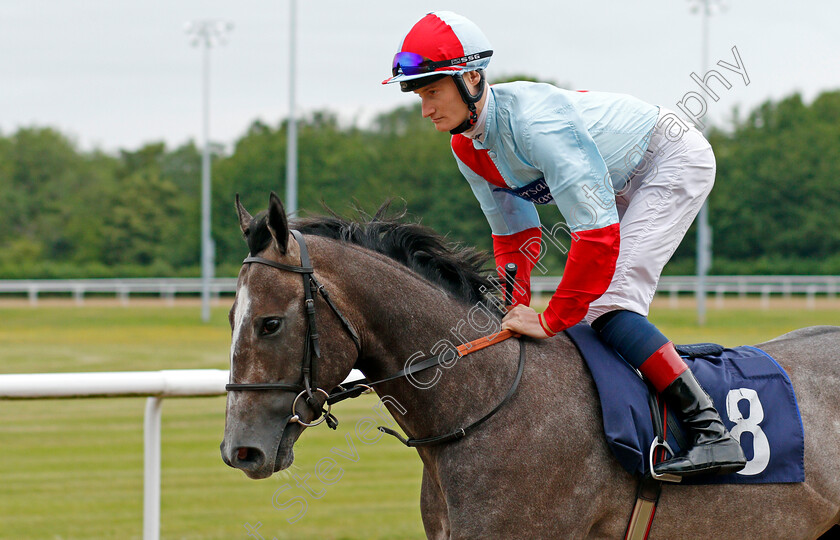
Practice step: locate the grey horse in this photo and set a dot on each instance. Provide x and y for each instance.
(539, 468)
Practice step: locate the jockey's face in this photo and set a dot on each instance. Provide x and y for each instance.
(442, 104)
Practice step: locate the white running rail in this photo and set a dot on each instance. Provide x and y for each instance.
(155, 385)
(169, 288)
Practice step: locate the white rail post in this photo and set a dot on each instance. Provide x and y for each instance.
(151, 469)
(79, 294)
(810, 297)
(122, 294)
(765, 297)
(33, 295)
(720, 292)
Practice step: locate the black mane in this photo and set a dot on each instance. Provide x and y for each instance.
(457, 269)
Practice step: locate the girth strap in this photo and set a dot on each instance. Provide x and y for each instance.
(650, 488)
(641, 519)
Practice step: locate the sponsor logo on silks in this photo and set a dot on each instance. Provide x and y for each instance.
(537, 192)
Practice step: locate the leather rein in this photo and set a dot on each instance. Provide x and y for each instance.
(352, 389)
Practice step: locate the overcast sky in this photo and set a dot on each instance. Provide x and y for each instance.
(119, 73)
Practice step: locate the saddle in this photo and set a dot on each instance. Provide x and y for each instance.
(751, 391)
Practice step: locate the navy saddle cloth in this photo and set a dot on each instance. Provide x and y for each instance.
(751, 391)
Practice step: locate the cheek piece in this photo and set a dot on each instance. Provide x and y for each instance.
(469, 99)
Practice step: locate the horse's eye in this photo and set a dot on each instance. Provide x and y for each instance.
(270, 326)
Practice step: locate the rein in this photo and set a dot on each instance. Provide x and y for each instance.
(361, 386)
(464, 431)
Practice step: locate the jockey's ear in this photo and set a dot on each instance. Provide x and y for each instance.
(472, 77)
(278, 226)
(244, 217)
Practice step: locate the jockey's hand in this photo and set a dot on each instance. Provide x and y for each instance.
(524, 320)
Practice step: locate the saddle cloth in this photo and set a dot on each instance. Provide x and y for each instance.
(750, 390)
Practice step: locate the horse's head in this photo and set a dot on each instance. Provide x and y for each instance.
(272, 395)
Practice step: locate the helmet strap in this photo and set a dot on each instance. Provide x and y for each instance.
(469, 99)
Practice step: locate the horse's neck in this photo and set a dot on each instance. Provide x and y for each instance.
(405, 318)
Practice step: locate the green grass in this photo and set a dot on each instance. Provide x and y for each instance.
(74, 468)
(732, 327)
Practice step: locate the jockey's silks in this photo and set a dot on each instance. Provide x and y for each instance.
(542, 144)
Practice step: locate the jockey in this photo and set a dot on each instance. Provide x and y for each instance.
(628, 179)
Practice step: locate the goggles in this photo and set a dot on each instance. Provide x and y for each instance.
(409, 63)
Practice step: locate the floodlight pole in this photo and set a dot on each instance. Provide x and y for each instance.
(291, 136)
(704, 231)
(207, 247)
(206, 33)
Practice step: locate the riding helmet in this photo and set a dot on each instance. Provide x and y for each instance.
(442, 44)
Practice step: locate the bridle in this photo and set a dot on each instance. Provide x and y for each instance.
(360, 386)
(311, 286)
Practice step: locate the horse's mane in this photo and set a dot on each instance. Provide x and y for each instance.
(458, 269)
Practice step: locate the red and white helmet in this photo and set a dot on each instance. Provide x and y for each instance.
(441, 43)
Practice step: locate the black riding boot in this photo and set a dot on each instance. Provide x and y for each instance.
(713, 450)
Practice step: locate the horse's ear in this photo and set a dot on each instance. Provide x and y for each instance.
(244, 217)
(278, 226)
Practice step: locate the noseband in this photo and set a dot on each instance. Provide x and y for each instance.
(311, 286)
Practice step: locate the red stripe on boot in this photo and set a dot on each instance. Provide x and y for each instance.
(663, 366)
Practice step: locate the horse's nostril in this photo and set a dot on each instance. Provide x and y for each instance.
(249, 457)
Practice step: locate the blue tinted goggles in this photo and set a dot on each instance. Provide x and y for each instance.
(409, 63)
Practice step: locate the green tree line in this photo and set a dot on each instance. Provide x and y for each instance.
(68, 213)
